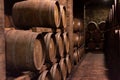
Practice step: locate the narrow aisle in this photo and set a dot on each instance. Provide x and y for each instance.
(91, 68)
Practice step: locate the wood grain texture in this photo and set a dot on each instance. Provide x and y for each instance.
(2, 42)
(69, 28)
(63, 2)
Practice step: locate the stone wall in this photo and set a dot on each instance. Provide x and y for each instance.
(96, 14)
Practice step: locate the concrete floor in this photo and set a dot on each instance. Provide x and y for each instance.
(93, 67)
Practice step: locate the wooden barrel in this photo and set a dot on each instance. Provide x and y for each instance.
(76, 39)
(45, 76)
(68, 63)
(96, 36)
(41, 13)
(100, 45)
(63, 68)
(92, 26)
(23, 77)
(60, 44)
(81, 52)
(91, 45)
(63, 22)
(66, 42)
(82, 39)
(63, 2)
(55, 71)
(50, 43)
(32, 75)
(77, 25)
(75, 57)
(24, 50)
(101, 25)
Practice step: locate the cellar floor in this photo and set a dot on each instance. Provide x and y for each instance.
(93, 67)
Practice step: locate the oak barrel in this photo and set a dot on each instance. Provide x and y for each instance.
(100, 45)
(63, 22)
(45, 76)
(66, 42)
(75, 56)
(78, 25)
(76, 39)
(92, 26)
(96, 36)
(68, 63)
(82, 39)
(60, 44)
(63, 68)
(101, 25)
(40, 13)
(81, 52)
(50, 43)
(23, 77)
(56, 72)
(24, 50)
(91, 45)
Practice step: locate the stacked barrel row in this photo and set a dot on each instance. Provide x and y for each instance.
(112, 36)
(95, 35)
(30, 51)
(33, 55)
(79, 39)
